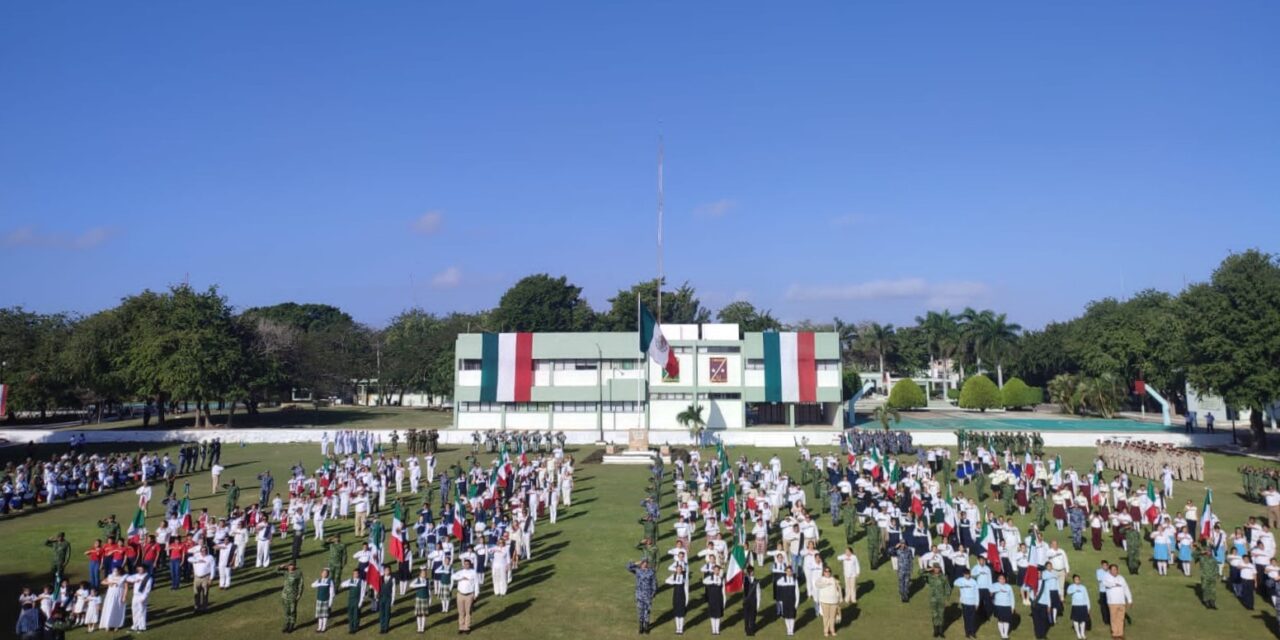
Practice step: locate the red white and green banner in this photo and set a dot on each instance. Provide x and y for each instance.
(138, 526)
(989, 542)
(655, 345)
(1206, 515)
(184, 513)
(1153, 503)
(506, 368)
(790, 369)
(734, 574)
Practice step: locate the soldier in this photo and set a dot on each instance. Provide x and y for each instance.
(980, 484)
(905, 556)
(337, 554)
(395, 441)
(1039, 511)
(648, 551)
(646, 586)
(939, 590)
(233, 496)
(1132, 547)
(849, 515)
(650, 526)
(1076, 520)
(110, 528)
(291, 593)
(1209, 578)
(61, 554)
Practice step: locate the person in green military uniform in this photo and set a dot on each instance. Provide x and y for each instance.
(1208, 577)
(110, 528)
(939, 593)
(1006, 496)
(650, 527)
(819, 487)
(980, 485)
(352, 585)
(233, 496)
(290, 595)
(337, 554)
(1133, 549)
(874, 544)
(385, 593)
(849, 514)
(1039, 511)
(395, 441)
(61, 554)
(648, 551)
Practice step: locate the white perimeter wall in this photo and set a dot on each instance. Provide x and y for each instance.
(739, 437)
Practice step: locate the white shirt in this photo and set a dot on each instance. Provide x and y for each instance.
(1117, 590)
(465, 581)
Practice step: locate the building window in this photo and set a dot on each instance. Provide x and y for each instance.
(721, 349)
(585, 365)
(471, 364)
(828, 365)
(755, 364)
(621, 407)
(723, 396)
(682, 349)
(670, 396)
(480, 407)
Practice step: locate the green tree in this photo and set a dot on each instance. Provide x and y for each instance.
(1001, 342)
(1231, 327)
(884, 413)
(979, 392)
(942, 337)
(542, 303)
(30, 346)
(1015, 394)
(92, 357)
(906, 394)
(850, 383)
(877, 340)
(691, 419)
(1062, 391)
(1043, 354)
(747, 317)
(680, 306)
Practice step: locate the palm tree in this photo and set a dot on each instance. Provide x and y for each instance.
(1001, 341)
(846, 334)
(878, 339)
(941, 330)
(691, 419)
(884, 413)
(1062, 391)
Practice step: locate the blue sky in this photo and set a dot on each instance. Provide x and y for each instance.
(867, 160)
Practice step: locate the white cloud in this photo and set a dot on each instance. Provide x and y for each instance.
(447, 279)
(933, 293)
(429, 222)
(31, 237)
(715, 209)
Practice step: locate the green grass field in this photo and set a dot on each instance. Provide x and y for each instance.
(577, 585)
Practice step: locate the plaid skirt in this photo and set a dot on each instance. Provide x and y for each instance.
(322, 608)
(421, 606)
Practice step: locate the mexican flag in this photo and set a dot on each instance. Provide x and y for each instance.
(949, 517)
(989, 542)
(734, 573)
(397, 518)
(184, 513)
(1206, 515)
(139, 524)
(459, 516)
(875, 463)
(1153, 508)
(790, 370)
(730, 506)
(373, 575)
(1095, 491)
(506, 368)
(723, 457)
(398, 546)
(1057, 466)
(653, 343)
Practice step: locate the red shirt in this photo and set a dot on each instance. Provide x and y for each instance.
(94, 554)
(178, 550)
(116, 551)
(150, 551)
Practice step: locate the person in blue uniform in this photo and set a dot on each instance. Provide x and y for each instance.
(1080, 606)
(646, 586)
(1003, 602)
(967, 588)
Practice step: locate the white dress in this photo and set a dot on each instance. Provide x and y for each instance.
(113, 605)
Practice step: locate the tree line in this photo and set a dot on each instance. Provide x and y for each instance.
(1222, 336)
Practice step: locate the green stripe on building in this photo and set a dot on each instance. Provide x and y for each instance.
(772, 367)
(489, 368)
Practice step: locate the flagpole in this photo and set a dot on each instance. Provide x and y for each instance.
(660, 203)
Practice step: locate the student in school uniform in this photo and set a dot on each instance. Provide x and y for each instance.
(421, 587)
(713, 592)
(679, 596)
(1080, 606)
(788, 594)
(967, 588)
(324, 599)
(1003, 601)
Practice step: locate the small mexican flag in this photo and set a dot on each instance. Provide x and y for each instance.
(139, 523)
(722, 456)
(184, 513)
(1153, 509)
(734, 574)
(459, 516)
(653, 343)
(1206, 515)
(730, 506)
(992, 546)
(373, 574)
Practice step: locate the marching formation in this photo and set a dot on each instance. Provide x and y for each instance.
(442, 556)
(1151, 460)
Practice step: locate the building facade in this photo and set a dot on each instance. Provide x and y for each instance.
(598, 381)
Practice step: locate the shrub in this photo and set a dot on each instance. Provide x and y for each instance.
(953, 394)
(980, 393)
(1016, 394)
(907, 395)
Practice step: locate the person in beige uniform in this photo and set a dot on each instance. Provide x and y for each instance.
(828, 596)
(851, 569)
(467, 583)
